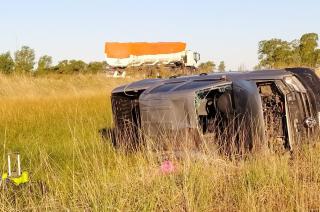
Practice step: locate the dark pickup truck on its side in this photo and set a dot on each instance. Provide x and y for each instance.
(282, 103)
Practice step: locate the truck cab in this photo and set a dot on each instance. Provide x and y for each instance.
(192, 59)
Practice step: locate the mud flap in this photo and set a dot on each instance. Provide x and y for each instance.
(249, 113)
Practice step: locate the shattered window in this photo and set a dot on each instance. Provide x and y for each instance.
(165, 87)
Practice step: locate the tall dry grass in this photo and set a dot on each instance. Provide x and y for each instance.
(54, 122)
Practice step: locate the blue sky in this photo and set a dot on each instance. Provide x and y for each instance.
(220, 30)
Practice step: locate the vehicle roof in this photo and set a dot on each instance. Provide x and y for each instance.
(227, 76)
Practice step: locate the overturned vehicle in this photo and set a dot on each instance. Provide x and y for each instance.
(281, 106)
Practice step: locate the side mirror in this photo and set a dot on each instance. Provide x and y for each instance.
(196, 56)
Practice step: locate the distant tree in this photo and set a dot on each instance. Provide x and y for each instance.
(222, 67)
(208, 66)
(95, 67)
(276, 53)
(71, 67)
(307, 49)
(78, 66)
(318, 57)
(44, 64)
(24, 60)
(6, 63)
(214, 66)
(61, 66)
(295, 59)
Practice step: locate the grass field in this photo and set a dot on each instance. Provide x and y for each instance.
(53, 121)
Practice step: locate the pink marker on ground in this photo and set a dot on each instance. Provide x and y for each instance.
(167, 167)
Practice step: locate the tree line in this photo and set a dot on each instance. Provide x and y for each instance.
(277, 53)
(272, 54)
(210, 66)
(23, 62)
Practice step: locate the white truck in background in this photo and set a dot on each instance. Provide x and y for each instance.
(172, 54)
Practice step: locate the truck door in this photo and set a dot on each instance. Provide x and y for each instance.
(310, 80)
(249, 112)
(301, 111)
